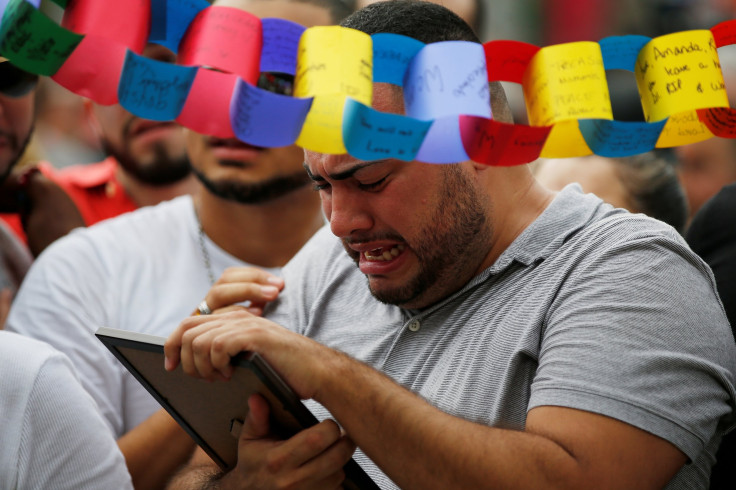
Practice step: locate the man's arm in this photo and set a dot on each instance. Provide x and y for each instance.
(158, 447)
(155, 450)
(419, 446)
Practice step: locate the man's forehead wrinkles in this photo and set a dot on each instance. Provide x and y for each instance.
(341, 171)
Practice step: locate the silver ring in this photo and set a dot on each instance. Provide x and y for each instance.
(204, 308)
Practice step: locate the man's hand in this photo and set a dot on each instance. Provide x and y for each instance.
(205, 344)
(312, 458)
(241, 285)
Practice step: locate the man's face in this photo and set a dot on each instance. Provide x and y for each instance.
(152, 152)
(16, 122)
(704, 168)
(417, 231)
(245, 173)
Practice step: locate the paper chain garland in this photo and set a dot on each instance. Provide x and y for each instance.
(222, 50)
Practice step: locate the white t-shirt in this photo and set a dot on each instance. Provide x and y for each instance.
(143, 271)
(52, 434)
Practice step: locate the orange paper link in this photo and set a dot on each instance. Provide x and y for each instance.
(508, 60)
(126, 23)
(224, 38)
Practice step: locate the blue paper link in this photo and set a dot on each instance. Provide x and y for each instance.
(280, 42)
(392, 54)
(372, 135)
(620, 52)
(443, 143)
(154, 89)
(262, 118)
(179, 14)
(158, 21)
(620, 138)
(446, 79)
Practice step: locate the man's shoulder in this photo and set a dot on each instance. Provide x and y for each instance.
(146, 228)
(23, 356)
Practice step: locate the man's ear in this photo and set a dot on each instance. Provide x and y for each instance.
(500, 104)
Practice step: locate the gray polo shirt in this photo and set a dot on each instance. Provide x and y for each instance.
(589, 308)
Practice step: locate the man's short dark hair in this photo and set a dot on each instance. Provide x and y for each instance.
(424, 21)
(429, 23)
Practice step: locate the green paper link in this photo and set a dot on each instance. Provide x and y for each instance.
(32, 41)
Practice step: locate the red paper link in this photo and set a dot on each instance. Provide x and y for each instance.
(724, 33)
(506, 61)
(93, 70)
(225, 38)
(500, 144)
(207, 109)
(126, 23)
(721, 121)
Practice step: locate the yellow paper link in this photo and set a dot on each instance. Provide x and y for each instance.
(333, 63)
(678, 73)
(562, 84)
(682, 129)
(565, 141)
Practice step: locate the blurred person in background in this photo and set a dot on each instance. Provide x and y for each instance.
(704, 168)
(47, 211)
(712, 235)
(146, 270)
(640, 184)
(147, 163)
(707, 166)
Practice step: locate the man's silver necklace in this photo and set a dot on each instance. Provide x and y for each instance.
(203, 249)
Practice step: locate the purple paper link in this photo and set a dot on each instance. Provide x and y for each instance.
(443, 143)
(447, 79)
(280, 42)
(262, 118)
(372, 135)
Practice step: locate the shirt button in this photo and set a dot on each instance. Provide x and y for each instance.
(414, 325)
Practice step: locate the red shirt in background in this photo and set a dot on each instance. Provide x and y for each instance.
(93, 187)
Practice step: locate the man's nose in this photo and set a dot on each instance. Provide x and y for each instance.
(348, 213)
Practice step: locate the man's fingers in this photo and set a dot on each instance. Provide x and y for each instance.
(250, 274)
(173, 344)
(226, 294)
(256, 424)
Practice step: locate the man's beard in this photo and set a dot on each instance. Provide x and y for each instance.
(449, 245)
(163, 171)
(19, 154)
(257, 192)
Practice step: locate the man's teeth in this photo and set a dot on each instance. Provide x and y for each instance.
(382, 254)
